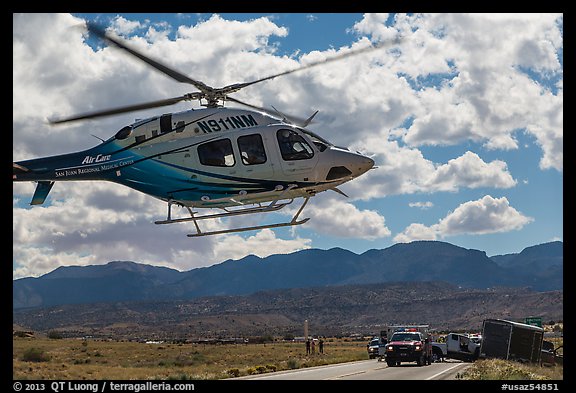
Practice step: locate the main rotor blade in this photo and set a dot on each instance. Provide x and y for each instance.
(124, 109)
(274, 113)
(238, 86)
(100, 32)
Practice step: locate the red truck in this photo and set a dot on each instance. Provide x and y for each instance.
(408, 345)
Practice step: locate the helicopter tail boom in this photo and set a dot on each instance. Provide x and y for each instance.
(67, 167)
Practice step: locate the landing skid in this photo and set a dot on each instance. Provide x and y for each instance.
(252, 228)
(272, 206)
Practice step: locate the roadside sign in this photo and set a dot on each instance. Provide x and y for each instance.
(534, 321)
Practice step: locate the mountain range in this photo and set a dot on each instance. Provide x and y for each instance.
(343, 310)
(539, 268)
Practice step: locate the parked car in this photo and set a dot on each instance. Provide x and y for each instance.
(373, 347)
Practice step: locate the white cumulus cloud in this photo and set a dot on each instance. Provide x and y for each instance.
(421, 205)
(455, 78)
(404, 170)
(341, 219)
(483, 216)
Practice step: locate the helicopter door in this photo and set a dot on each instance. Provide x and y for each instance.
(254, 160)
(297, 157)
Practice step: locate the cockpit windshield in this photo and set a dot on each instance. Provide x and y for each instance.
(318, 141)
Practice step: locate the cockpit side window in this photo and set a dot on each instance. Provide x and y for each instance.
(293, 146)
(217, 153)
(252, 149)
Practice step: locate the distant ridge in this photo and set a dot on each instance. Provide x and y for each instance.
(331, 311)
(539, 267)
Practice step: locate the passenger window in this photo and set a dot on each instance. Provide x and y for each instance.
(217, 153)
(293, 146)
(252, 149)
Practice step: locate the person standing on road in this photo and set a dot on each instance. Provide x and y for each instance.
(321, 346)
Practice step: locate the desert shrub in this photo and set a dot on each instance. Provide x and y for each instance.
(35, 355)
(262, 339)
(292, 364)
(233, 372)
(20, 333)
(55, 335)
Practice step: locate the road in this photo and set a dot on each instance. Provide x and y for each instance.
(369, 370)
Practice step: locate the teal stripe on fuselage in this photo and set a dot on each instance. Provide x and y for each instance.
(262, 182)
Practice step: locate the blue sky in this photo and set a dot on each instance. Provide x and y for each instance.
(464, 120)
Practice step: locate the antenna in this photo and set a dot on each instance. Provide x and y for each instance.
(97, 137)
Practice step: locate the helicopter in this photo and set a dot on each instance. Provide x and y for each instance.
(229, 160)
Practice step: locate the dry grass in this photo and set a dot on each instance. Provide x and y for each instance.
(74, 359)
(497, 369)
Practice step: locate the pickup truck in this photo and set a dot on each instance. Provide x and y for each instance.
(408, 346)
(461, 346)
